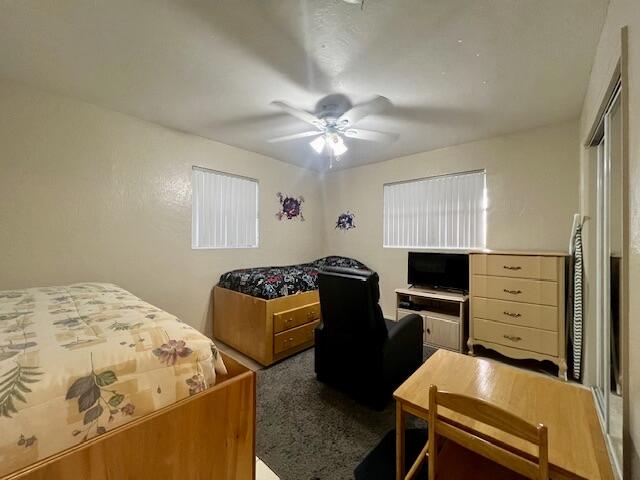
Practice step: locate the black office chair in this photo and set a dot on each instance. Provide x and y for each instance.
(356, 349)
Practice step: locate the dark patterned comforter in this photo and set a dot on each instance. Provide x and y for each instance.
(274, 282)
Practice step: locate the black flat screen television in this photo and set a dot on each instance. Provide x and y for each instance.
(446, 271)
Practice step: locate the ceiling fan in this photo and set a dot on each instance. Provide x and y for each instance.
(334, 120)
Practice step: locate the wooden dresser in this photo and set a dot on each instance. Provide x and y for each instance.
(518, 305)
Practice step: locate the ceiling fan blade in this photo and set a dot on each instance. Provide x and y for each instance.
(310, 133)
(301, 114)
(370, 135)
(434, 115)
(357, 113)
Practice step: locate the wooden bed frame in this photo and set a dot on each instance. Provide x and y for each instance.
(208, 435)
(265, 330)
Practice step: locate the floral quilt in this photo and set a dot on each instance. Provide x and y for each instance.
(79, 360)
(274, 282)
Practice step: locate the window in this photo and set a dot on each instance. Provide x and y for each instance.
(225, 210)
(439, 212)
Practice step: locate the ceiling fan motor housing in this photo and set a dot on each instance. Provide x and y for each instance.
(331, 107)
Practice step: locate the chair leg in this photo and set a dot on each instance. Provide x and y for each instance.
(416, 465)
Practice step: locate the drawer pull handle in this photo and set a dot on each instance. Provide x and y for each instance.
(511, 267)
(512, 314)
(513, 338)
(512, 292)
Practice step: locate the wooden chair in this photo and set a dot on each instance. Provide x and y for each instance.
(471, 456)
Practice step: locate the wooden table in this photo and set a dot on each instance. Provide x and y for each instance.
(576, 442)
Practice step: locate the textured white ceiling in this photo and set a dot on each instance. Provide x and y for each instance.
(212, 67)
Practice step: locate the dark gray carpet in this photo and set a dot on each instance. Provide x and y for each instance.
(308, 431)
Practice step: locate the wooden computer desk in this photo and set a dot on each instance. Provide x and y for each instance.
(576, 442)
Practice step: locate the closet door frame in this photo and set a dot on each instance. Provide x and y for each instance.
(601, 222)
(619, 79)
(603, 268)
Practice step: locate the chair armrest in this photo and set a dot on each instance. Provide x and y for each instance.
(405, 331)
(403, 349)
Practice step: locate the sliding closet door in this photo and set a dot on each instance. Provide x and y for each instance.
(613, 355)
(609, 248)
(602, 295)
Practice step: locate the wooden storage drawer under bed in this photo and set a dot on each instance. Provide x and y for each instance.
(294, 337)
(295, 317)
(265, 330)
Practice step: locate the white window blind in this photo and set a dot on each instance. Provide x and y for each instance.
(225, 210)
(439, 212)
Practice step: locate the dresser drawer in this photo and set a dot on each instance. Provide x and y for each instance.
(297, 316)
(514, 313)
(524, 338)
(294, 337)
(515, 289)
(517, 266)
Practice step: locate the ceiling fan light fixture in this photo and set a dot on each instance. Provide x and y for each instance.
(338, 146)
(333, 119)
(318, 144)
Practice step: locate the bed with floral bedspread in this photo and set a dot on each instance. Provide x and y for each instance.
(274, 282)
(79, 360)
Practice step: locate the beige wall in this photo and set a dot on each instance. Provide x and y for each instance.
(93, 195)
(620, 13)
(97, 195)
(532, 182)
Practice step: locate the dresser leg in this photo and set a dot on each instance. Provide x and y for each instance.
(470, 347)
(562, 370)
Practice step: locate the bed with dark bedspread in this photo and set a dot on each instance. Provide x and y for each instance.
(274, 282)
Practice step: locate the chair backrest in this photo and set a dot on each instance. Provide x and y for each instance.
(349, 303)
(493, 416)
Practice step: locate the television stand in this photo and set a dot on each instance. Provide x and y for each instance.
(443, 315)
